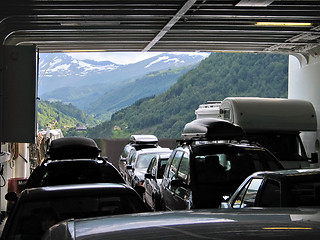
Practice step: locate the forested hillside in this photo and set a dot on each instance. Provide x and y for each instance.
(149, 85)
(61, 115)
(220, 75)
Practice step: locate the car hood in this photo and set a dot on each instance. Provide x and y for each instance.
(203, 224)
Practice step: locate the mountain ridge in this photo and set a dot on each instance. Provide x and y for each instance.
(77, 82)
(219, 76)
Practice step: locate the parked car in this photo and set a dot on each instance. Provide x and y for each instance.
(201, 171)
(136, 142)
(37, 209)
(288, 188)
(153, 178)
(224, 224)
(138, 164)
(73, 160)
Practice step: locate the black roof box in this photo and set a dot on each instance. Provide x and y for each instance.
(211, 129)
(73, 148)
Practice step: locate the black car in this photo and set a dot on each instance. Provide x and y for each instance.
(287, 188)
(136, 142)
(73, 160)
(153, 179)
(201, 171)
(37, 209)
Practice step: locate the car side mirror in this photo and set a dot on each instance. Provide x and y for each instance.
(314, 158)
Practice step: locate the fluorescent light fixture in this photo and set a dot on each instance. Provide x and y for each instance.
(254, 3)
(290, 24)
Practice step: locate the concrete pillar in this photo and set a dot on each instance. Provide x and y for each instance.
(304, 83)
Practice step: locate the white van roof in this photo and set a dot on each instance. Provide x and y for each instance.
(253, 113)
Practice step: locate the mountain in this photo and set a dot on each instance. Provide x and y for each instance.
(83, 82)
(61, 115)
(219, 76)
(150, 85)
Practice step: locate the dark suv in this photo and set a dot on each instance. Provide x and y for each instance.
(202, 170)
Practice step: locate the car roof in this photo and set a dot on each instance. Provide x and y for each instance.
(290, 173)
(73, 190)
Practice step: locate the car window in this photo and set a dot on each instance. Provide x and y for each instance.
(183, 171)
(161, 166)
(151, 167)
(132, 157)
(238, 199)
(208, 169)
(144, 160)
(251, 193)
(126, 151)
(270, 195)
(247, 196)
(175, 164)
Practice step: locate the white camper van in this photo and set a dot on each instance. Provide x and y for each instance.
(275, 124)
(211, 109)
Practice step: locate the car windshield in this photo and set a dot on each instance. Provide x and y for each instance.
(35, 217)
(144, 160)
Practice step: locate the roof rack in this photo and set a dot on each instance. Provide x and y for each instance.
(211, 129)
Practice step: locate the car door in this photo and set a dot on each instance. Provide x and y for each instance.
(174, 189)
(129, 167)
(150, 182)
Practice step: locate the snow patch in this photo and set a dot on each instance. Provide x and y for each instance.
(158, 60)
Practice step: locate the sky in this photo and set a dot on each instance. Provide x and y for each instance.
(120, 57)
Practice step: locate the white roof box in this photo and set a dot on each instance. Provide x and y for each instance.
(269, 114)
(211, 129)
(143, 139)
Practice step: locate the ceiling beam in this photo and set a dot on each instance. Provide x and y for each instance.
(170, 24)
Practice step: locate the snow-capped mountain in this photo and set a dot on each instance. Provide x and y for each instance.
(81, 82)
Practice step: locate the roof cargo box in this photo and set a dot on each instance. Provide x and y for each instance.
(211, 129)
(143, 139)
(73, 148)
(269, 114)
